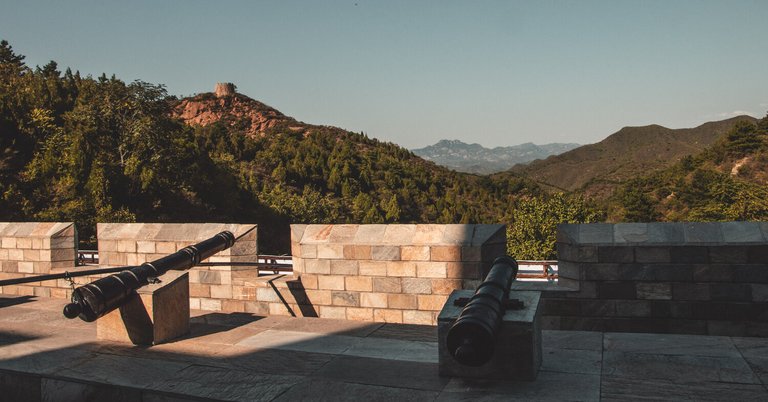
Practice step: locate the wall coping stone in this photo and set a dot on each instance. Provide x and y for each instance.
(664, 234)
(410, 234)
(35, 229)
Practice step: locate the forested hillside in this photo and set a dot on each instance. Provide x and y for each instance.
(728, 181)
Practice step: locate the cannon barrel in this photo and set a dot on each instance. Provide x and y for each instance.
(472, 336)
(101, 296)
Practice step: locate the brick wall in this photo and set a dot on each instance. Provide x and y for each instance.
(210, 288)
(386, 273)
(694, 278)
(35, 248)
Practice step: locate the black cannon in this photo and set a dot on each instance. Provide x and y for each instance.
(472, 337)
(101, 296)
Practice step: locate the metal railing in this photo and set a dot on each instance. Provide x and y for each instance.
(543, 270)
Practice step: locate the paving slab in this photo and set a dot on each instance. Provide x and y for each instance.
(300, 341)
(572, 360)
(395, 349)
(272, 361)
(391, 373)
(549, 386)
(632, 389)
(581, 340)
(407, 332)
(691, 369)
(225, 384)
(670, 344)
(328, 326)
(328, 390)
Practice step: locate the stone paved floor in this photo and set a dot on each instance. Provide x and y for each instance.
(44, 356)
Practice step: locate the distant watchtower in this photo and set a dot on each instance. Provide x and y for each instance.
(224, 89)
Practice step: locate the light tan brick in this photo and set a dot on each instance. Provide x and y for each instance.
(414, 253)
(9, 242)
(146, 247)
(330, 282)
(15, 254)
(471, 253)
(401, 268)
(431, 302)
(42, 292)
(281, 309)
(221, 291)
(417, 285)
(194, 303)
(26, 267)
(237, 306)
(210, 304)
(357, 252)
(23, 242)
(257, 307)
(385, 253)
(3, 254)
(387, 285)
(373, 268)
(359, 283)
(37, 243)
(418, 317)
(267, 295)
(59, 293)
(373, 300)
(165, 247)
(339, 313)
(360, 314)
(308, 251)
(387, 315)
(343, 267)
(431, 270)
(308, 281)
(319, 297)
(127, 246)
(330, 251)
(346, 299)
(445, 286)
(445, 253)
(402, 301)
(107, 245)
(317, 266)
(199, 290)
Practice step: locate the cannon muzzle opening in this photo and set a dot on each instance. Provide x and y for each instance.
(471, 339)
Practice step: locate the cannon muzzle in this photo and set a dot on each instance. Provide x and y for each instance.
(101, 296)
(472, 337)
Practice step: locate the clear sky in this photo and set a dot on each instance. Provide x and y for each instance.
(414, 72)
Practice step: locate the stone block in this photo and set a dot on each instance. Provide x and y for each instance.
(596, 233)
(26, 267)
(418, 317)
(23, 242)
(370, 234)
(165, 247)
(752, 273)
(445, 253)
(208, 277)
(318, 297)
(399, 234)
(256, 307)
(742, 232)
(577, 253)
(623, 254)
(387, 315)
(616, 290)
(728, 254)
(601, 272)
(330, 251)
(267, 295)
(15, 254)
(630, 232)
(759, 292)
(471, 253)
(445, 286)
(359, 283)
(306, 251)
(378, 300)
(317, 266)
(387, 285)
(330, 282)
(712, 273)
(210, 304)
(414, 253)
(463, 270)
(372, 268)
(156, 314)
(236, 306)
(689, 254)
(417, 285)
(431, 270)
(517, 353)
(730, 292)
(429, 234)
(402, 301)
(703, 232)
(385, 253)
(671, 272)
(357, 252)
(126, 246)
(458, 234)
(633, 308)
(401, 269)
(347, 299)
(757, 254)
(221, 291)
(431, 302)
(145, 247)
(654, 291)
(652, 254)
(338, 313)
(344, 267)
(360, 314)
(343, 233)
(566, 269)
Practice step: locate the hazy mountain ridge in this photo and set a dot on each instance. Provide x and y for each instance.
(631, 152)
(475, 158)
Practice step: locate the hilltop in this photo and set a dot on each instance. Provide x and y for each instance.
(475, 158)
(596, 169)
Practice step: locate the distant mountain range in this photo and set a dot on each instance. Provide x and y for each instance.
(475, 158)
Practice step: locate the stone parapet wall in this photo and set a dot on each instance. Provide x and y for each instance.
(35, 248)
(209, 287)
(388, 273)
(695, 278)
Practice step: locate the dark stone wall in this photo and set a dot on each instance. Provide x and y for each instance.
(691, 278)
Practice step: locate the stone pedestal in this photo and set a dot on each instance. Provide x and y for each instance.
(155, 314)
(517, 354)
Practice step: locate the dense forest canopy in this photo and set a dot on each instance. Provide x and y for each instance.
(90, 150)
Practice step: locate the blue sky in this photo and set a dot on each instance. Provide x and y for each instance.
(413, 72)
